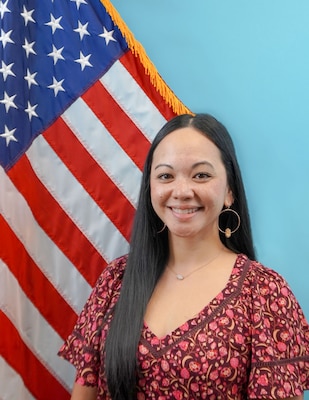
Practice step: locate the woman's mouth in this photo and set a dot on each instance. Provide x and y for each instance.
(184, 210)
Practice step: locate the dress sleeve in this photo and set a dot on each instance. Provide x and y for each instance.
(83, 346)
(280, 339)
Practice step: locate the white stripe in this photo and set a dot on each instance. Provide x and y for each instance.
(52, 262)
(104, 149)
(12, 385)
(133, 100)
(36, 333)
(75, 201)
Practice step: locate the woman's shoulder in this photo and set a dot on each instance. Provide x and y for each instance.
(258, 273)
(263, 281)
(111, 277)
(117, 266)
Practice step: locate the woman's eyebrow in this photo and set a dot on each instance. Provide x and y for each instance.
(163, 165)
(199, 163)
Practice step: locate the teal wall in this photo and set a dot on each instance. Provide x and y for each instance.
(247, 63)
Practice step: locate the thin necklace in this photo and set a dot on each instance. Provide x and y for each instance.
(181, 277)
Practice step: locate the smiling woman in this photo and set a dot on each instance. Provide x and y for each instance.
(189, 185)
(189, 312)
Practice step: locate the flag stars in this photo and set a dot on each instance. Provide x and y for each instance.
(8, 101)
(28, 47)
(56, 54)
(3, 8)
(83, 60)
(107, 35)
(82, 30)
(79, 2)
(5, 37)
(8, 135)
(30, 78)
(30, 110)
(27, 15)
(54, 23)
(6, 70)
(56, 86)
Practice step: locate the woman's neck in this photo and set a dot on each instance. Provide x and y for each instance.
(190, 252)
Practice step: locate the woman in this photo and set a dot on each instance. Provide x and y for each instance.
(187, 314)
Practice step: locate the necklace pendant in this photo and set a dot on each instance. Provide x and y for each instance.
(180, 277)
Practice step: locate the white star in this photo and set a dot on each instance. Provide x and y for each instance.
(3, 8)
(8, 135)
(107, 35)
(28, 47)
(56, 54)
(82, 30)
(27, 15)
(79, 2)
(54, 23)
(56, 86)
(83, 61)
(8, 101)
(5, 37)
(30, 78)
(6, 70)
(31, 111)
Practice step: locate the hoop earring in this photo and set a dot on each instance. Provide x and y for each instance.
(228, 232)
(161, 230)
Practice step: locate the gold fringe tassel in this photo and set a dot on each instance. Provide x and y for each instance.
(137, 49)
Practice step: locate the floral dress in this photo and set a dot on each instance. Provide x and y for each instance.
(250, 342)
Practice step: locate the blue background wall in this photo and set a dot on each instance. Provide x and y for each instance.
(247, 63)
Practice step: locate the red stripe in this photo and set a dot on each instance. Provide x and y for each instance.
(137, 70)
(117, 122)
(34, 283)
(39, 382)
(99, 186)
(60, 228)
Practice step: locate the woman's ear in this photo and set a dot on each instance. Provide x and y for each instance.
(229, 198)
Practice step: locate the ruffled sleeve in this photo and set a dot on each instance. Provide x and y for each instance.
(83, 346)
(280, 339)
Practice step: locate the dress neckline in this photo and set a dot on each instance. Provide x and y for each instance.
(231, 288)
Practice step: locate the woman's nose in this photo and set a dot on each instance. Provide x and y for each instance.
(182, 189)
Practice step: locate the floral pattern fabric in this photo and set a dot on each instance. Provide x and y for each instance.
(250, 342)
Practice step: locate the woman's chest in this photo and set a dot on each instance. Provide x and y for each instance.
(209, 355)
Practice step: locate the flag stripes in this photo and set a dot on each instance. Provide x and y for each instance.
(44, 252)
(118, 123)
(56, 309)
(96, 138)
(12, 385)
(55, 180)
(26, 336)
(33, 369)
(144, 82)
(93, 179)
(43, 205)
(66, 209)
(133, 100)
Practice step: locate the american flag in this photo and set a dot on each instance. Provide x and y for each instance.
(80, 103)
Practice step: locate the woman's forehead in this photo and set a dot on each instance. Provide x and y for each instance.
(186, 141)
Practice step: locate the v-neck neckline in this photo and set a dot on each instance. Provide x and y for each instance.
(231, 289)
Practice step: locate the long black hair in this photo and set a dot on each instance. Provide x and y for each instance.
(149, 253)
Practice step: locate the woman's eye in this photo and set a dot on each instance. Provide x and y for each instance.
(164, 177)
(202, 175)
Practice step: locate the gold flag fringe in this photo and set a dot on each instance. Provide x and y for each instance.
(137, 49)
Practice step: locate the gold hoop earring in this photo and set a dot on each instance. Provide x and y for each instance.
(228, 232)
(161, 230)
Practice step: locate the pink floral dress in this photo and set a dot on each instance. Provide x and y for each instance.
(250, 342)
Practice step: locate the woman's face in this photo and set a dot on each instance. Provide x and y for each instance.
(188, 183)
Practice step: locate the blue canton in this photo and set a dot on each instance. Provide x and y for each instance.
(51, 51)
